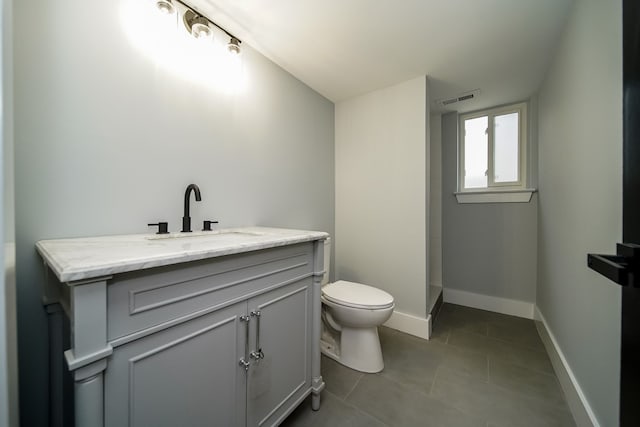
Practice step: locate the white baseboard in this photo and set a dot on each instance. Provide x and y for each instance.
(486, 302)
(410, 324)
(580, 409)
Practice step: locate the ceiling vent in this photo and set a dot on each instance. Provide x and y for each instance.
(466, 96)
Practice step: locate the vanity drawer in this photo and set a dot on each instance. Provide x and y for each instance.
(144, 299)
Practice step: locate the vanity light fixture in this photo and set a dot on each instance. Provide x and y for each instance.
(198, 25)
(165, 6)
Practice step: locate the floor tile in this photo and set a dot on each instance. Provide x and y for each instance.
(495, 404)
(479, 369)
(440, 332)
(518, 379)
(536, 360)
(463, 361)
(339, 380)
(414, 361)
(522, 334)
(386, 335)
(333, 412)
(447, 308)
(502, 350)
(473, 313)
(464, 321)
(399, 406)
(408, 360)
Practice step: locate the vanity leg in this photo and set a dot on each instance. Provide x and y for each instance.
(315, 396)
(87, 358)
(317, 383)
(89, 403)
(315, 401)
(89, 393)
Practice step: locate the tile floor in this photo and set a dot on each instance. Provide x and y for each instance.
(479, 369)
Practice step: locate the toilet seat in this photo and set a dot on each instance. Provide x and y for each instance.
(357, 295)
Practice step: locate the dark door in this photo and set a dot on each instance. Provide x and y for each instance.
(630, 351)
(623, 267)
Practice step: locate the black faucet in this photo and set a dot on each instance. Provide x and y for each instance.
(186, 219)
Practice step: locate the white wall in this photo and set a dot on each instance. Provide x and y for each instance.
(435, 201)
(381, 192)
(580, 209)
(107, 140)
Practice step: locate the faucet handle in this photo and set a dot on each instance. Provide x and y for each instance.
(163, 227)
(207, 225)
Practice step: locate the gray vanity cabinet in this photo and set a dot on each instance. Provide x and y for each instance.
(186, 375)
(280, 372)
(190, 375)
(228, 341)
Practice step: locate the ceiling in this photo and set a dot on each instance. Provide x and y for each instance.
(344, 48)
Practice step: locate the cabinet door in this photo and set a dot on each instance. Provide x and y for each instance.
(283, 375)
(186, 375)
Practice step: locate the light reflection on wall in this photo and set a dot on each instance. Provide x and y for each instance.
(164, 39)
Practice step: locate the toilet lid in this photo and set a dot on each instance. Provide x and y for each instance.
(356, 295)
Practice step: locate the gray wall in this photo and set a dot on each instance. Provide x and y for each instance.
(8, 329)
(107, 140)
(580, 209)
(381, 190)
(487, 248)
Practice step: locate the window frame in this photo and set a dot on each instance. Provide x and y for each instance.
(491, 113)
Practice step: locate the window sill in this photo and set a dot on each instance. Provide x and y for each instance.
(496, 196)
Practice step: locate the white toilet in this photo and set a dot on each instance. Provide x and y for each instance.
(351, 314)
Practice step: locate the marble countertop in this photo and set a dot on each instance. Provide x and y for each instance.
(91, 257)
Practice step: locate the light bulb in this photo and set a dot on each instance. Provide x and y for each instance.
(198, 26)
(200, 30)
(234, 46)
(165, 7)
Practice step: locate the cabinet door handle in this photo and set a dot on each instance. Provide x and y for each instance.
(257, 354)
(244, 364)
(244, 361)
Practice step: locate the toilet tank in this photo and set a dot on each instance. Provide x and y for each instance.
(327, 261)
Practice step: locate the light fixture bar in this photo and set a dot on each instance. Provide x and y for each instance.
(210, 21)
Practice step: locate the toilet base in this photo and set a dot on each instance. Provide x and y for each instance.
(359, 349)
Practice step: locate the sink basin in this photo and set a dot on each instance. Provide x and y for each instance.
(200, 234)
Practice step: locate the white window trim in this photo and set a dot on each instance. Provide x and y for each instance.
(514, 192)
(496, 196)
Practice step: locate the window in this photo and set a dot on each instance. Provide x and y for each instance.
(492, 152)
